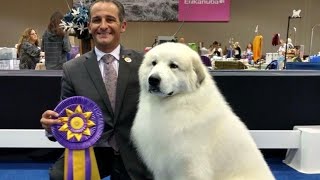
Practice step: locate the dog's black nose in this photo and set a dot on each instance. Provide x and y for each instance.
(154, 80)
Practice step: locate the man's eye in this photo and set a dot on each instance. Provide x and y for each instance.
(95, 20)
(173, 66)
(110, 20)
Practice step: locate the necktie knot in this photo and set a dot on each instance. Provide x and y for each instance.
(108, 58)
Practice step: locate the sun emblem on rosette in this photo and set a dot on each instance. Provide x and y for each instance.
(77, 123)
(81, 124)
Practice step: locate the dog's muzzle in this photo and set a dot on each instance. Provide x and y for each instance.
(154, 86)
(154, 82)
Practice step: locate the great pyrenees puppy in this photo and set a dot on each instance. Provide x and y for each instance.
(184, 129)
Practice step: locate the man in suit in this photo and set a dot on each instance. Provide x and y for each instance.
(84, 76)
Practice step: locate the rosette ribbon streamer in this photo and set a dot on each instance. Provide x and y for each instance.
(81, 126)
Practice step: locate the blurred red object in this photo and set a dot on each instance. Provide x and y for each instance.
(146, 49)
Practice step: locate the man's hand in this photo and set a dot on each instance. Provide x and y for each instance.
(48, 119)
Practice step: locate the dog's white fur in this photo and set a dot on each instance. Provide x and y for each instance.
(184, 129)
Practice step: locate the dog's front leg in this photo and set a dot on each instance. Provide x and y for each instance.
(198, 169)
(191, 177)
(191, 173)
(161, 176)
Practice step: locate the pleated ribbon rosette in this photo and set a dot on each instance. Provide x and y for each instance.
(82, 125)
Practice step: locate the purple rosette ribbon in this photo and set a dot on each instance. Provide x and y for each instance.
(81, 126)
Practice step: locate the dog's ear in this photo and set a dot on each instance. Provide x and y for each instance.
(199, 69)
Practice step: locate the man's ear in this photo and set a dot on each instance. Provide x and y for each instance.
(123, 26)
(89, 27)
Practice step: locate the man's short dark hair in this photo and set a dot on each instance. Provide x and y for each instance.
(115, 2)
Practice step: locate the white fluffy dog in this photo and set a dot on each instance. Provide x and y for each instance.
(184, 129)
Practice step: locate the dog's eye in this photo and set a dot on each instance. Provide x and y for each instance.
(173, 66)
(154, 63)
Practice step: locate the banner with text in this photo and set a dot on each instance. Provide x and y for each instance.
(204, 10)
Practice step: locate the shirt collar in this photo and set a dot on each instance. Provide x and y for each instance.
(115, 53)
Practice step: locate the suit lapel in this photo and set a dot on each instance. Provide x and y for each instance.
(123, 75)
(94, 72)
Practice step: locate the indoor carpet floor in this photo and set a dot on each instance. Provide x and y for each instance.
(39, 171)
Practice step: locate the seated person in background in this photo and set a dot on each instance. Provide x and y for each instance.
(297, 57)
(215, 50)
(282, 47)
(249, 50)
(290, 45)
(237, 50)
(248, 53)
(28, 50)
(41, 64)
(42, 59)
(228, 51)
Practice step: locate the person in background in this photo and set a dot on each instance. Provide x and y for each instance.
(220, 49)
(290, 45)
(215, 50)
(182, 40)
(87, 76)
(249, 51)
(41, 64)
(28, 50)
(203, 50)
(55, 43)
(237, 50)
(282, 47)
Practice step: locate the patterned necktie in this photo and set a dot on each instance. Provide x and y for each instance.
(110, 78)
(110, 81)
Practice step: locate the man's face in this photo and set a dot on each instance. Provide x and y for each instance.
(105, 26)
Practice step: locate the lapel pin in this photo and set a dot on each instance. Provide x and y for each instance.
(127, 59)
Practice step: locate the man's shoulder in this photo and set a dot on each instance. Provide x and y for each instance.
(78, 61)
(137, 55)
(75, 61)
(130, 51)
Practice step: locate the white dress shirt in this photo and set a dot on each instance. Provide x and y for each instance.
(115, 53)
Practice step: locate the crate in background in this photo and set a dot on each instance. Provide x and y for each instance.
(8, 53)
(12, 64)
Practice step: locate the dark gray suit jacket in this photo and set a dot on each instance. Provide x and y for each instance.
(82, 77)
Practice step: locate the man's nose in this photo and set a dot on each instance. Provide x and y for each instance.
(104, 24)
